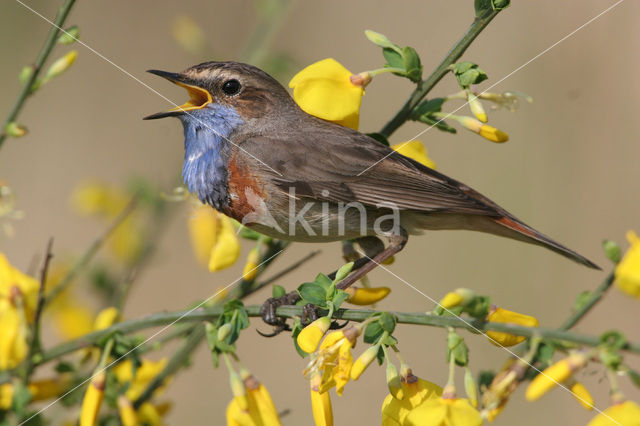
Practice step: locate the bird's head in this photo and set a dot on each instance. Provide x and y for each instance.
(250, 92)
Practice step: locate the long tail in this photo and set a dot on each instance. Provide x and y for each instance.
(512, 228)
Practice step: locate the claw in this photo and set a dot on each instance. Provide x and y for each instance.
(309, 314)
(277, 330)
(336, 326)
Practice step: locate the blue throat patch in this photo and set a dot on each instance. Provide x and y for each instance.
(206, 152)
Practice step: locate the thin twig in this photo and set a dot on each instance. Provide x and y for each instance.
(92, 250)
(25, 92)
(595, 297)
(425, 86)
(34, 343)
(286, 270)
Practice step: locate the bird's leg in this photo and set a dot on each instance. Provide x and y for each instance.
(360, 268)
(396, 243)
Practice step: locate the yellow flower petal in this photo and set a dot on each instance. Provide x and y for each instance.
(554, 374)
(143, 375)
(321, 407)
(226, 249)
(484, 130)
(310, 336)
(106, 318)
(364, 361)
(627, 272)
(582, 395)
(395, 411)
(416, 151)
(73, 320)
(203, 230)
(324, 89)
(251, 267)
(444, 412)
(626, 414)
(508, 317)
(367, 295)
(128, 415)
(93, 399)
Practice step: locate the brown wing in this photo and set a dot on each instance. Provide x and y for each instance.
(330, 158)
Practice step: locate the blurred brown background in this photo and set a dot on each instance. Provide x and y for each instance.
(570, 170)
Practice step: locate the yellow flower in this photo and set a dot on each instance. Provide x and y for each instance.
(367, 295)
(622, 414)
(213, 238)
(324, 89)
(18, 299)
(582, 395)
(189, 35)
(415, 150)
(476, 107)
(444, 412)
(144, 374)
(311, 335)
(508, 317)
(93, 399)
(39, 389)
(459, 297)
(128, 415)
(251, 267)
(320, 403)
(106, 318)
(255, 409)
(484, 130)
(554, 374)
(628, 270)
(364, 361)
(415, 392)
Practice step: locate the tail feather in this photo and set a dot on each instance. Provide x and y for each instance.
(520, 231)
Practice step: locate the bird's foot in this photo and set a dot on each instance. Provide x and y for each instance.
(268, 313)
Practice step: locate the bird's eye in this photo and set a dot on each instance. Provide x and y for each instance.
(231, 87)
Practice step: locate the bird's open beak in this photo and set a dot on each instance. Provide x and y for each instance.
(199, 97)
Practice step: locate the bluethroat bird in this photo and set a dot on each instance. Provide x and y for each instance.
(254, 155)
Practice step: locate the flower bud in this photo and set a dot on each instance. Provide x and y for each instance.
(364, 361)
(16, 130)
(582, 395)
(470, 387)
(106, 318)
(251, 267)
(128, 415)
(554, 374)
(393, 381)
(612, 250)
(224, 331)
(476, 107)
(61, 65)
(70, 35)
(366, 296)
(310, 336)
(93, 399)
(378, 39)
(458, 297)
(508, 317)
(238, 390)
(484, 130)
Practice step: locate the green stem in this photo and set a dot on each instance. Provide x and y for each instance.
(425, 86)
(595, 297)
(177, 361)
(358, 315)
(25, 92)
(257, 47)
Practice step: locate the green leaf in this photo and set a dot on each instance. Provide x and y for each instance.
(457, 348)
(278, 291)
(485, 377)
(297, 328)
(313, 293)
(545, 353)
(343, 272)
(427, 107)
(613, 339)
(372, 332)
(323, 280)
(64, 367)
(339, 297)
(634, 376)
(479, 307)
(412, 64)
(389, 340)
(468, 73)
(462, 67)
(387, 321)
(394, 58)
